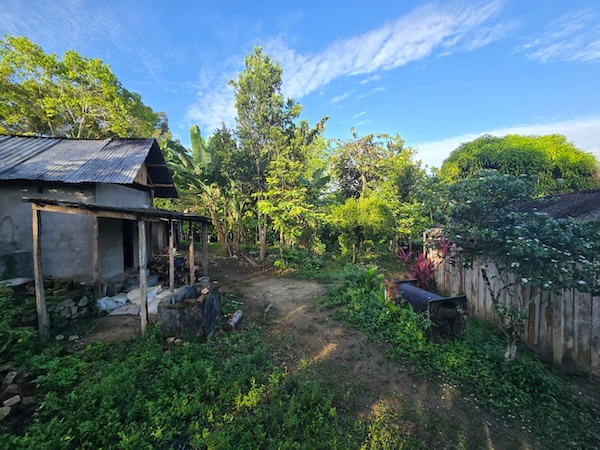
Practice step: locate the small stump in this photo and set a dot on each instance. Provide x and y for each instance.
(184, 313)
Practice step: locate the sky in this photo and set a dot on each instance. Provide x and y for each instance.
(436, 73)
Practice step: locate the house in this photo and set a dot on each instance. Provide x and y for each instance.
(99, 186)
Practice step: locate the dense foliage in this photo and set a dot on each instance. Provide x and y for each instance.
(76, 96)
(558, 165)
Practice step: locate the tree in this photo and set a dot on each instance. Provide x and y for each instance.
(76, 97)
(362, 221)
(264, 118)
(557, 163)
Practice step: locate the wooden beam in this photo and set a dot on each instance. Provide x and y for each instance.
(191, 257)
(106, 214)
(143, 279)
(96, 256)
(171, 258)
(40, 299)
(205, 249)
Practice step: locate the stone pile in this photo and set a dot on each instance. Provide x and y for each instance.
(69, 309)
(17, 397)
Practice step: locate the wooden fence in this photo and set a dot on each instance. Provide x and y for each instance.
(563, 328)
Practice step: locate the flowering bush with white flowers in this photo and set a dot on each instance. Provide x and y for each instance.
(539, 250)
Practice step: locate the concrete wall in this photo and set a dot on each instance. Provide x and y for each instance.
(67, 239)
(116, 195)
(66, 250)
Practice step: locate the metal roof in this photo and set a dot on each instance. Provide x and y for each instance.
(116, 161)
(580, 205)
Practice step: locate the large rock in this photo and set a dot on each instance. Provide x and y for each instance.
(180, 315)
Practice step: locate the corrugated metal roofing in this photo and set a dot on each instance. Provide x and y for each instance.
(115, 161)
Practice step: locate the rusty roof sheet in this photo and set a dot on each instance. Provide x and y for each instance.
(580, 205)
(115, 161)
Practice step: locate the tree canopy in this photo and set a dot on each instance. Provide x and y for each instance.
(76, 96)
(557, 163)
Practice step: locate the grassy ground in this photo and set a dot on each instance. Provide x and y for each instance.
(348, 371)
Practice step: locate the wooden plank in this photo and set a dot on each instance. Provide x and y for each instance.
(595, 346)
(557, 328)
(171, 257)
(545, 327)
(143, 278)
(40, 299)
(191, 255)
(568, 329)
(523, 301)
(583, 324)
(96, 257)
(87, 212)
(205, 249)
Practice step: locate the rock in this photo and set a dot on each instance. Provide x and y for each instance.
(9, 378)
(65, 304)
(73, 338)
(65, 313)
(4, 411)
(12, 401)
(12, 388)
(84, 311)
(59, 337)
(28, 400)
(188, 315)
(84, 301)
(74, 310)
(127, 309)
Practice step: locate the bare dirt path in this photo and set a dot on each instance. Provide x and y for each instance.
(366, 384)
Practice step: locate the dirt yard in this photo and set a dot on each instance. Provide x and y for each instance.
(305, 337)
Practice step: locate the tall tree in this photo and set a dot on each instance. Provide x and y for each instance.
(558, 165)
(75, 97)
(264, 117)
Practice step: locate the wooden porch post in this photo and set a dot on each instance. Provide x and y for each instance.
(96, 249)
(40, 299)
(204, 249)
(143, 279)
(171, 258)
(191, 257)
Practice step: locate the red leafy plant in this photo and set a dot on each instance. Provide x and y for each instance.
(423, 271)
(444, 246)
(405, 257)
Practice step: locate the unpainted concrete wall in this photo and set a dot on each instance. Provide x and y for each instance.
(67, 239)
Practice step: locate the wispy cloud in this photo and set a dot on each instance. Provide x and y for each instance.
(369, 79)
(411, 37)
(77, 24)
(583, 132)
(414, 36)
(355, 116)
(339, 98)
(573, 37)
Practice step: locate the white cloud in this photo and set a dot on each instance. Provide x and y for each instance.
(369, 79)
(78, 24)
(583, 132)
(357, 115)
(573, 37)
(339, 98)
(411, 37)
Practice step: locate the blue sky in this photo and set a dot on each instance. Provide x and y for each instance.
(437, 73)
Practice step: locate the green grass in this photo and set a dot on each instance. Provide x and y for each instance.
(525, 389)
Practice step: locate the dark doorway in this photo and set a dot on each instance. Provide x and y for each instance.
(128, 261)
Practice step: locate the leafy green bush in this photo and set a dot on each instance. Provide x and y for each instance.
(15, 341)
(149, 394)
